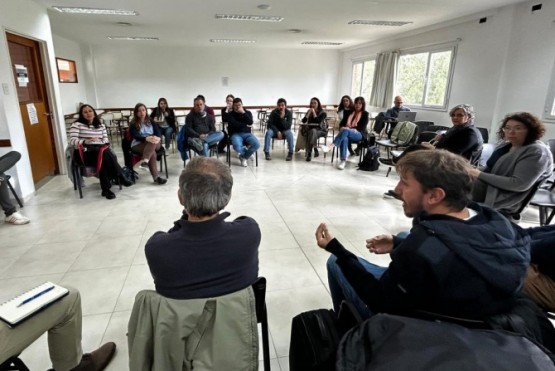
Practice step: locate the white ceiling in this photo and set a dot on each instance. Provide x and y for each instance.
(192, 23)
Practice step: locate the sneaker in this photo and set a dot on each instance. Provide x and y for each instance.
(243, 161)
(143, 166)
(289, 157)
(390, 194)
(341, 165)
(108, 194)
(325, 148)
(268, 157)
(97, 360)
(160, 181)
(17, 219)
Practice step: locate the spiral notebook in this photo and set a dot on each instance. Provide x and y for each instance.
(23, 306)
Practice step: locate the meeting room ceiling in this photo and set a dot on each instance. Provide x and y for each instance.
(194, 23)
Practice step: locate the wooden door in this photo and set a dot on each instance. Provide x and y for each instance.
(26, 64)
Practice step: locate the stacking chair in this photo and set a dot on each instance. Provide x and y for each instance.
(78, 171)
(485, 134)
(14, 364)
(7, 162)
(544, 207)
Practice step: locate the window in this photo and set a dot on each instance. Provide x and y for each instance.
(423, 77)
(362, 79)
(549, 111)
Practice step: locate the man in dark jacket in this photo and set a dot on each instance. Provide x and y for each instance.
(460, 259)
(240, 131)
(201, 127)
(279, 127)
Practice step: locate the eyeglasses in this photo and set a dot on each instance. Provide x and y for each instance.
(458, 115)
(517, 129)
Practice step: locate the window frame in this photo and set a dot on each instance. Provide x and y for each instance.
(431, 50)
(361, 61)
(549, 108)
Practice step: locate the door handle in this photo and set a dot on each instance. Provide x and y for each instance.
(47, 114)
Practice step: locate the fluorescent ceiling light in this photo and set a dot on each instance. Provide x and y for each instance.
(257, 18)
(379, 23)
(232, 41)
(95, 11)
(133, 38)
(319, 43)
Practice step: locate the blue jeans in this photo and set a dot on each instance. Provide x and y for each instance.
(288, 134)
(341, 289)
(210, 140)
(167, 133)
(239, 140)
(342, 140)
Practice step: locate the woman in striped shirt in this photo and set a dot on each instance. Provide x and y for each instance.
(89, 138)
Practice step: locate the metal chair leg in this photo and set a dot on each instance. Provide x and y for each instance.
(13, 191)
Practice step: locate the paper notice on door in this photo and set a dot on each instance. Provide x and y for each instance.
(32, 111)
(22, 75)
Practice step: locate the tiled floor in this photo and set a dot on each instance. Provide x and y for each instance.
(97, 245)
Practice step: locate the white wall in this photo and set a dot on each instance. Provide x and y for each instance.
(125, 74)
(73, 93)
(502, 66)
(29, 19)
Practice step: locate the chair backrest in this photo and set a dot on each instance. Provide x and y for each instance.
(530, 194)
(485, 134)
(475, 157)
(423, 125)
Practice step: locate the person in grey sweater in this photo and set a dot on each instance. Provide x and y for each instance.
(515, 166)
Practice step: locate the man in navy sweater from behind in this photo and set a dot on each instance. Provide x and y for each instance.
(204, 255)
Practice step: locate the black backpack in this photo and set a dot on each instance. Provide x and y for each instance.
(370, 160)
(315, 336)
(387, 342)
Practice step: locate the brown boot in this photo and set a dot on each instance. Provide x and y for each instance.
(97, 360)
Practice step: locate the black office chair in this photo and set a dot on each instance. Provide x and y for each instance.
(7, 162)
(259, 288)
(13, 364)
(485, 134)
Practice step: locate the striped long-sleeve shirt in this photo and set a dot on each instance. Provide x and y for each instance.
(79, 132)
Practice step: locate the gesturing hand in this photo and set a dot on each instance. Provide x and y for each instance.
(382, 244)
(323, 236)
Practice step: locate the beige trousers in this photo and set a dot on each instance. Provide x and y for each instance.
(62, 320)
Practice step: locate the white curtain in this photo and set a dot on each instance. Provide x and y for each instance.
(384, 79)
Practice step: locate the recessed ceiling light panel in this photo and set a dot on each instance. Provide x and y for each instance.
(320, 43)
(256, 18)
(379, 23)
(232, 41)
(94, 11)
(133, 38)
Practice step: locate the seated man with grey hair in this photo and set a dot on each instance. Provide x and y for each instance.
(204, 255)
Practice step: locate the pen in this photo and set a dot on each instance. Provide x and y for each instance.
(36, 296)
